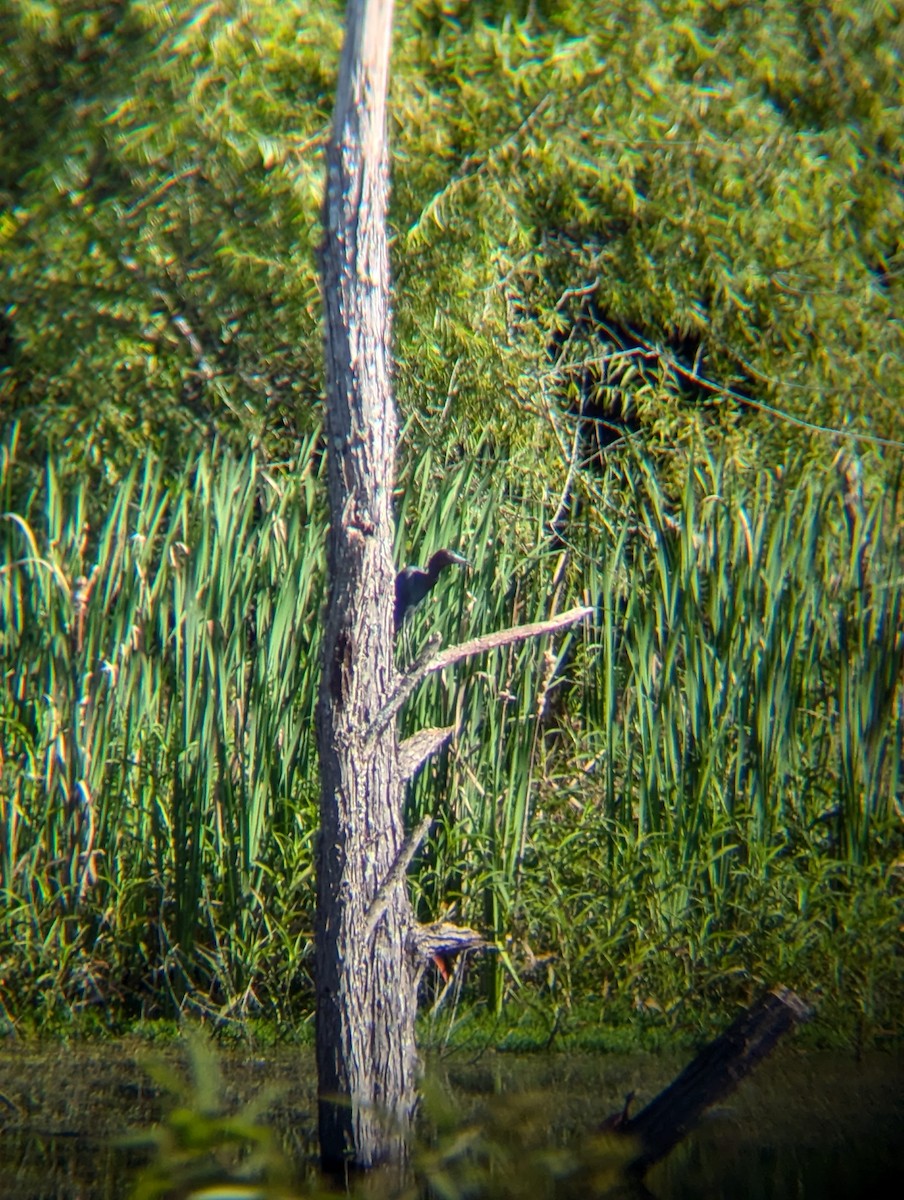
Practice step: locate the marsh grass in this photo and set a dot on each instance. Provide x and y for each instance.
(697, 790)
(159, 682)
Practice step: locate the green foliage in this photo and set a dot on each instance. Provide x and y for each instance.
(609, 209)
(655, 215)
(697, 791)
(202, 1149)
(160, 214)
(639, 809)
(715, 181)
(158, 752)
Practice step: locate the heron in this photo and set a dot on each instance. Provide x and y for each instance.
(414, 583)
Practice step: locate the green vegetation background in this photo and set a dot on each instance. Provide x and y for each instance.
(639, 253)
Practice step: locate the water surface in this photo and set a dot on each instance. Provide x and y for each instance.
(813, 1126)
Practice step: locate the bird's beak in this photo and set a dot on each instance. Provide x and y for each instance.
(458, 558)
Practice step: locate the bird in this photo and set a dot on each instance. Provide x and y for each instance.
(414, 583)
(618, 1122)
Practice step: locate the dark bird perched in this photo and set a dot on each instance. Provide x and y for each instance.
(414, 583)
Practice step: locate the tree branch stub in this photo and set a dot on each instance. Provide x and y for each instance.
(415, 750)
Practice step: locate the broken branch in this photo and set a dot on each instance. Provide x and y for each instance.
(505, 637)
(415, 750)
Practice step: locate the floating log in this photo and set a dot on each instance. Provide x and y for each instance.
(714, 1074)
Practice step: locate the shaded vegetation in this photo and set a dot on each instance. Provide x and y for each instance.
(242, 1124)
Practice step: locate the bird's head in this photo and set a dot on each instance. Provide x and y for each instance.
(446, 558)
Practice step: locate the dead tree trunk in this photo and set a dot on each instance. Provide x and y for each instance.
(714, 1074)
(366, 976)
(370, 951)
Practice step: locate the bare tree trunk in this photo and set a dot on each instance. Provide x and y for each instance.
(366, 969)
(370, 952)
(714, 1074)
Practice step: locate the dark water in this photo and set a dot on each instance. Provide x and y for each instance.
(815, 1126)
(803, 1127)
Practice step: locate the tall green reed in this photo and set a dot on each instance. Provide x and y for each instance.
(721, 671)
(714, 728)
(647, 793)
(160, 662)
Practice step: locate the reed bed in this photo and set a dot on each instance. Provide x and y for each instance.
(159, 681)
(699, 789)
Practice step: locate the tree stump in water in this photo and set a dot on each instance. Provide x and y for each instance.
(714, 1074)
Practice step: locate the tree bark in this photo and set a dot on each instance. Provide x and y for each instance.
(370, 951)
(366, 972)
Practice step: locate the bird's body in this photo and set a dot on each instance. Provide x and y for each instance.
(414, 583)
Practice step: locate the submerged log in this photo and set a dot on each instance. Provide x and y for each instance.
(714, 1074)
